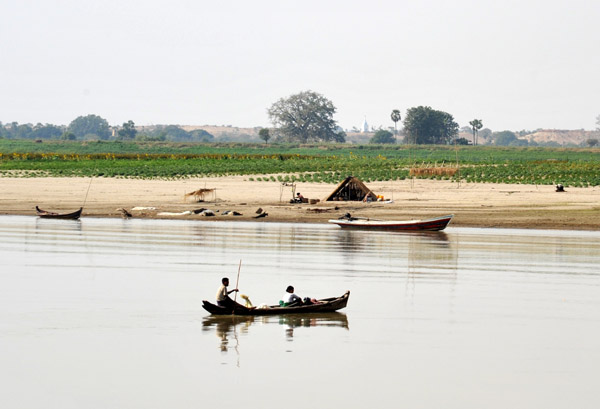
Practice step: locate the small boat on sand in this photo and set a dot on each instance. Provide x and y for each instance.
(52, 215)
(435, 224)
(323, 305)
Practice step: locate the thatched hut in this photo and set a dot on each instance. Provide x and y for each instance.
(352, 189)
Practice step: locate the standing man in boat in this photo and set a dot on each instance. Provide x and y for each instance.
(223, 295)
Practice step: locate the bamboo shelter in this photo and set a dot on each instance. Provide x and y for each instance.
(352, 189)
(200, 194)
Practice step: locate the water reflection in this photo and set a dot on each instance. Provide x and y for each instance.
(228, 328)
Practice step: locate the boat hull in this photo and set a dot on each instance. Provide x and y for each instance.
(435, 224)
(324, 305)
(51, 215)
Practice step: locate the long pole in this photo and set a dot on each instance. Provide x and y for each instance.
(237, 281)
(88, 191)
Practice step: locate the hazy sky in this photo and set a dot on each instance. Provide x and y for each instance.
(514, 64)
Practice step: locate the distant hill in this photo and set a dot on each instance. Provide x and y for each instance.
(562, 137)
(227, 133)
(547, 137)
(540, 136)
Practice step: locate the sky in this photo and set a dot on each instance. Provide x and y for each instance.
(513, 64)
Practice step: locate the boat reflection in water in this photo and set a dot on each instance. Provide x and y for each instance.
(332, 319)
(226, 326)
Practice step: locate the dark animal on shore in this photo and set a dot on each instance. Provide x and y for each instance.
(124, 213)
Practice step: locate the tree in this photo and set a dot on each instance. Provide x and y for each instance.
(171, 133)
(201, 135)
(306, 117)
(383, 136)
(592, 142)
(396, 117)
(476, 124)
(424, 125)
(485, 133)
(47, 131)
(128, 130)
(264, 134)
(461, 141)
(504, 138)
(148, 138)
(90, 124)
(68, 136)
(23, 131)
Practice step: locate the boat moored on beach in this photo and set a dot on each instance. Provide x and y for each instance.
(434, 224)
(52, 215)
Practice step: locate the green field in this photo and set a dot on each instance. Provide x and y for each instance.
(305, 163)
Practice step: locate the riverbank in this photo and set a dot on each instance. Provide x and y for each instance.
(474, 205)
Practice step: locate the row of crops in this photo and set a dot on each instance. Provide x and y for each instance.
(571, 167)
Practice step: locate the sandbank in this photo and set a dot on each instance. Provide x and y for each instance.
(474, 205)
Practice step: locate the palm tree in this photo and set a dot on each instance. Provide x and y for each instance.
(476, 124)
(396, 117)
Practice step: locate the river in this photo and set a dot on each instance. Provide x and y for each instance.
(106, 313)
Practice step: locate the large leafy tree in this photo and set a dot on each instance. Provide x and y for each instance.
(306, 117)
(424, 125)
(90, 125)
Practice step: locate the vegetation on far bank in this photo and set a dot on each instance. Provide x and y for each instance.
(300, 162)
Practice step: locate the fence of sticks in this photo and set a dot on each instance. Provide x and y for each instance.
(427, 171)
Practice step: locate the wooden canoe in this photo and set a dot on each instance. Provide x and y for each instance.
(435, 224)
(324, 305)
(52, 215)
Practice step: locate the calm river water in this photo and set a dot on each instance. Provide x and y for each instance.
(106, 313)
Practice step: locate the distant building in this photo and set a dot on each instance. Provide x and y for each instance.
(365, 126)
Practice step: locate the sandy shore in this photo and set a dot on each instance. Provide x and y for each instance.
(475, 205)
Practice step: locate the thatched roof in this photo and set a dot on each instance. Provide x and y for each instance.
(352, 189)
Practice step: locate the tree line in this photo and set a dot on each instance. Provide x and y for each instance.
(94, 127)
(305, 117)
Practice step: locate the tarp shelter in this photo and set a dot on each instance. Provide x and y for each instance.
(352, 189)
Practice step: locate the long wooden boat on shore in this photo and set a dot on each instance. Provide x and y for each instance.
(434, 224)
(52, 215)
(323, 305)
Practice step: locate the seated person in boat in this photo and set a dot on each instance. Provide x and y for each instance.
(290, 299)
(223, 299)
(299, 197)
